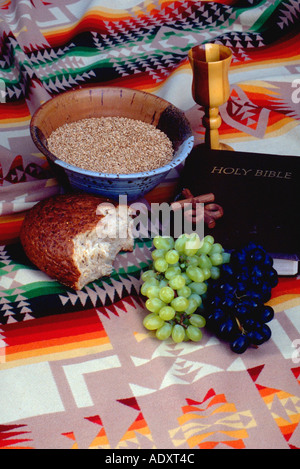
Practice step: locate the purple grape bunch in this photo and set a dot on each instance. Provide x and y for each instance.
(235, 306)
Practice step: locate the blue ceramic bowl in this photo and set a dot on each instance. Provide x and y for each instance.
(111, 101)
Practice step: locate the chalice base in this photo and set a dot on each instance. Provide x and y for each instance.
(224, 146)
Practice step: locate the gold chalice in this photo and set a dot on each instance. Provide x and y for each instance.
(210, 87)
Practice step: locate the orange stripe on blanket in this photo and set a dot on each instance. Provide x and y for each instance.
(279, 127)
(10, 228)
(5, 4)
(57, 335)
(51, 335)
(58, 352)
(47, 346)
(287, 286)
(54, 326)
(14, 112)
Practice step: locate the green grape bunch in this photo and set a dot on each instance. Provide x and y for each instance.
(175, 283)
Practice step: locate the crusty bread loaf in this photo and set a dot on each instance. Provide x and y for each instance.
(74, 238)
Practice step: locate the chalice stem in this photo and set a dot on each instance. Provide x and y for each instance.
(212, 122)
(210, 87)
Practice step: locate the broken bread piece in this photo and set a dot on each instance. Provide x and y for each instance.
(75, 238)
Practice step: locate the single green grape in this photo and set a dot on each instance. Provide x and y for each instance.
(226, 257)
(192, 306)
(197, 320)
(195, 274)
(162, 242)
(194, 333)
(172, 256)
(192, 260)
(152, 281)
(198, 287)
(148, 274)
(204, 248)
(153, 291)
(178, 333)
(209, 239)
(167, 313)
(160, 265)
(154, 304)
(180, 303)
(170, 241)
(158, 253)
(215, 272)
(196, 297)
(206, 273)
(171, 271)
(216, 248)
(184, 291)
(177, 282)
(216, 258)
(152, 322)
(166, 294)
(189, 251)
(180, 244)
(192, 245)
(204, 261)
(164, 332)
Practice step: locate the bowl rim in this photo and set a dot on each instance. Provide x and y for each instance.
(188, 142)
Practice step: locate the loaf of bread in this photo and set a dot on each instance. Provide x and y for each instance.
(74, 238)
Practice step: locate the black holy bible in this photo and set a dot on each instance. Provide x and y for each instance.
(259, 194)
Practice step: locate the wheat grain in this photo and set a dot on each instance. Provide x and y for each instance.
(115, 145)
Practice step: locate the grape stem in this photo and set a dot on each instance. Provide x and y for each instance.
(239, 297)
(241, 328)
(243, 331)
(183, 317)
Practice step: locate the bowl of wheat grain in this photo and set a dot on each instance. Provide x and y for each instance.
(111, 141)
